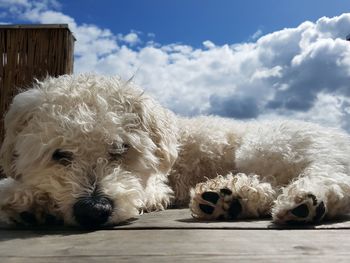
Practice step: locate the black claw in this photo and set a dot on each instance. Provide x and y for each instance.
(235, 209)
(320, 211)
(211, 197)
(206, 209)
(225, 191)
(28, 218)
(314, 199)
(301, 211)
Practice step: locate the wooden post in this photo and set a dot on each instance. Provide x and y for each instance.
(29, 52)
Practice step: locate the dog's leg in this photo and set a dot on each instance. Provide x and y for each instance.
(232, 197)
(313, 197)
(21, 205)
(15, 202)
(158, 194)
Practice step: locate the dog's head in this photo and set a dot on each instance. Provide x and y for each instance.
(90, 143)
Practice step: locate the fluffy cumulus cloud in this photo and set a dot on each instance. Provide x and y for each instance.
(301, 72)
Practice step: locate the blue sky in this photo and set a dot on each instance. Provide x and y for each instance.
(194, 21)
(238, 59)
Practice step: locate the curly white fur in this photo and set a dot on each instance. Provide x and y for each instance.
(124, 145)
(302, 163)
(86, 115)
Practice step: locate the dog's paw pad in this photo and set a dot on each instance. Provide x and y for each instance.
(309, 210)
(301, 211)
(211, 197)
(206, 209)
(28, 218)
(220, 205)
(320, 212)
(235, 209)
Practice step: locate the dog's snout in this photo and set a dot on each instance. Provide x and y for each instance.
(93, 211)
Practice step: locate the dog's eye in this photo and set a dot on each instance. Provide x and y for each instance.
(116, 151)
(62, 157)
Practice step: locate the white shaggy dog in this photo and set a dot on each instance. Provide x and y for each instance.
(93, 151)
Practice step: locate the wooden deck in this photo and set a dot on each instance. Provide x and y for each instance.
(173, 236)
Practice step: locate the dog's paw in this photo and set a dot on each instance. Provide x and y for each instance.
(11, 217)
(306, 210)
(232, 197)
(30, 218)
(27, 218)
(221, 205)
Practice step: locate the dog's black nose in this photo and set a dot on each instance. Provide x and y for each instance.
(93, 211)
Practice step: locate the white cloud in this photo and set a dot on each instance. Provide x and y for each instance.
(23, 7)
(301, 72)
(132, 38)
(208, 44)
(256, 34)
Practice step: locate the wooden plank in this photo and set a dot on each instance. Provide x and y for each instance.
(36, 26)
(182, 219)
(176, 246)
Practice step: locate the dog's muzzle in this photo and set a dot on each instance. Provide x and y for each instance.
(93, 211)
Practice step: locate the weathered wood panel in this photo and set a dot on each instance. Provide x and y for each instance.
(176, 246)
(172, 236)
(182, 219)
(28, 52)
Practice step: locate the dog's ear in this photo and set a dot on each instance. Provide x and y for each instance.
(19, 114)
(162, 127)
